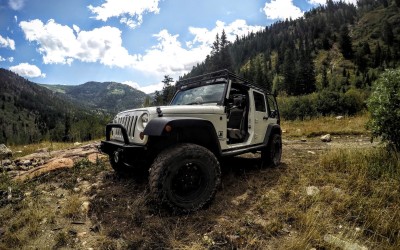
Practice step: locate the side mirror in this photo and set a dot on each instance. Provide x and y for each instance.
(273, 114)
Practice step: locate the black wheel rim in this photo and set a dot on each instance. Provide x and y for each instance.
(188, 182)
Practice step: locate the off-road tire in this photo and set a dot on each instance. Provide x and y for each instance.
(271, 155)
(184, 177)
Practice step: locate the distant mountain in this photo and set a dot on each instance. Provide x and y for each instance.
(108, 96)
(30, 113)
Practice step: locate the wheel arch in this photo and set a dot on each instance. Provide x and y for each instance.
(272, 129)
(170, 130)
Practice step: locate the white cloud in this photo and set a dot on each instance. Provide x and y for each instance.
(207, 37)
(16, 4)
(3, 59)
(146, 89)
(169, 57)
(131, 12)
(27, 70)
(59, 44)
(62, 44)
(323, 2)
(282, 9)
(7, 42)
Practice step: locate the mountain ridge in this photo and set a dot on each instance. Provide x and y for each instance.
(107, 96)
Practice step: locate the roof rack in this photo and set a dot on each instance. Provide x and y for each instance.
(209, 77)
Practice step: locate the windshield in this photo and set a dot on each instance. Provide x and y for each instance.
(203, 94)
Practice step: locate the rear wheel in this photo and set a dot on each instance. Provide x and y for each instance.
(185, 177)
(271, 155)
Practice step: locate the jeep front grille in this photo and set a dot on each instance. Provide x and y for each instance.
(129, 122)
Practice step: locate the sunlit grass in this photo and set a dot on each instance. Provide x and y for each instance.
(48, 146)
(348, 125)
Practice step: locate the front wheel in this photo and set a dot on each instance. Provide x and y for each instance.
(271, 155)
(185, 177)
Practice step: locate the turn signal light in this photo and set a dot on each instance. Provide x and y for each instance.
(168, 128)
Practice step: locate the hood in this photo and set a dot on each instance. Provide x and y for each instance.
(182, 109)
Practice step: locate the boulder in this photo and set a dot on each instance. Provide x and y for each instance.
(326, 138)
(5, 152)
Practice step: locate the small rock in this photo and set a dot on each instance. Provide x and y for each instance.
(312, 190)
(240, 199)
(77, 143)
(326, 138)
(303, 140)
(81, 234)
(311, 152)
(6, 162)
(9, 168)
(26, 162)
(5, 152)
(85, 207)
(339, 117)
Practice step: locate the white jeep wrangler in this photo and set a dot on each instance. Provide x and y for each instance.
(211, 116)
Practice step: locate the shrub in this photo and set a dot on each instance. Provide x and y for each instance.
(384, 105)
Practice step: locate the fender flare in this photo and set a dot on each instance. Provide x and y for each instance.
(156, 127)
(272, 128)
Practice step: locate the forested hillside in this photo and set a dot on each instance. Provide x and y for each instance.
(335, 52)
(110, 97)
(30, 113)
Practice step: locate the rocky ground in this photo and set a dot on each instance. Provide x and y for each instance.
(85, 205)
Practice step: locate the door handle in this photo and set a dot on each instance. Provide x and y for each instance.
(265, 118)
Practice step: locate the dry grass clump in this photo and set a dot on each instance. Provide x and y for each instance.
(24, 221)
(373, 182)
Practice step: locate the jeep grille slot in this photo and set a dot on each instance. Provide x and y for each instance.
(129, 122)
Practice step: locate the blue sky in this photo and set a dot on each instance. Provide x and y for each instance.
(133, 42)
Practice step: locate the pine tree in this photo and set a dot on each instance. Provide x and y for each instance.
(345, 42)
(387, 33)
(225, 58)
(289, 73)
(168, 90)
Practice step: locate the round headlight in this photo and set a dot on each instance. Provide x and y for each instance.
(144, 119)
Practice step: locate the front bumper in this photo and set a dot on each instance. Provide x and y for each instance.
(129, 154)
